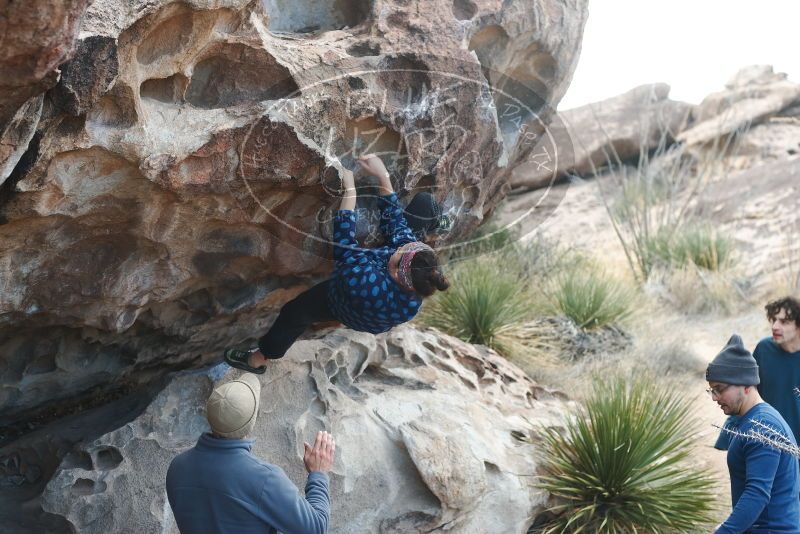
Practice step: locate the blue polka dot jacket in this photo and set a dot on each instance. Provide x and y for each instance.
(362, 294)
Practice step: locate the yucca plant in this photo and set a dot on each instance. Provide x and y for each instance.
(622, 465)
(705, 248)
(591, 298)
(699, 245)
(483, 302)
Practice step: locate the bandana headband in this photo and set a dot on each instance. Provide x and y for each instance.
(404, 266)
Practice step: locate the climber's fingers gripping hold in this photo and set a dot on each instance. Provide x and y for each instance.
(373, 165)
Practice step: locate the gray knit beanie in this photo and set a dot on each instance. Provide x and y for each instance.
(733, 365)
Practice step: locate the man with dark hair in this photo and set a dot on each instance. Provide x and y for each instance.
(778, 358)
(765, 480)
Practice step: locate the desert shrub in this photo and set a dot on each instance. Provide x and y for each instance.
(591, 298)
(695, 291)
(695, 245)
(622, 465)
(658, 194)
(484, 301)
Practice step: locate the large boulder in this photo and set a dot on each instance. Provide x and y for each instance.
(175, 187)
(597, 134)
(431, 434)
(753, 95)
(760, 207)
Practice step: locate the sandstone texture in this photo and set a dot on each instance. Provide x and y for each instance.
(175, 186)
(36, 37)
(432, 435)
(168, 173)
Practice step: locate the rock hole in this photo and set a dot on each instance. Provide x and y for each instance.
(116, 109)
(108, 458)
(364, 49)
(330, 368)
(85, 486)
(166, 39)
(236, 74)
(77, 460)
(468, 383)
(318, 407)
(382, 375)
(517, 76)
(26, 161)
(306, 16)
(489, 43)
(356, 83)
(464, 9)
(431, 347)
(405, 80)
(170, 90)
(41, 365)
(491, 468)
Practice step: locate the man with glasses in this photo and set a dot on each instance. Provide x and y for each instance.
(762, 464)
(778, 359)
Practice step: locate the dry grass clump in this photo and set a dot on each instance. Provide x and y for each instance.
(694, 291)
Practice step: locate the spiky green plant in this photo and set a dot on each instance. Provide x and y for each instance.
(622, 465)
(591, 298)
(700, 245)
(483, 301)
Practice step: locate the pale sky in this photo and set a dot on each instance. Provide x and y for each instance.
(695, 46)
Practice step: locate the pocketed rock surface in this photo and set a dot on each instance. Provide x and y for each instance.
(168, 174)
(432, 434)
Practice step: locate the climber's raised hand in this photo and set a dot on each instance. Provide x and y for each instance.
(373, 165)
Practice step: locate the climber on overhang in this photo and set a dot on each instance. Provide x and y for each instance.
(371, 290)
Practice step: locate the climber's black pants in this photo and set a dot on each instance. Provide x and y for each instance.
(311, 306)
(307, 308)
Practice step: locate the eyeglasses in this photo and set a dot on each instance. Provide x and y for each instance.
(717, 391)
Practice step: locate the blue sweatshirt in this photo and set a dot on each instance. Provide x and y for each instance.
(779, 374)
(362, 295)
(764, 480)
(220, 487)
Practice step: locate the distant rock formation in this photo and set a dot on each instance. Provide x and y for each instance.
(620, 126)
(760, 106)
